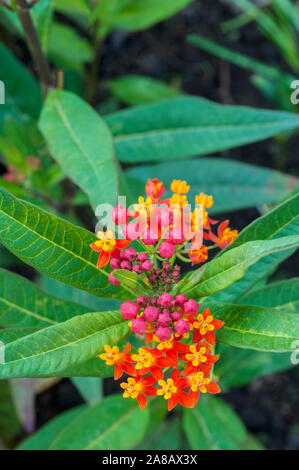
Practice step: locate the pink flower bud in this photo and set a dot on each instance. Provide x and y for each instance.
(115, 263)
(180, 299)
(176, 315)
(119, 215)
(129, 254)
(182, 327)
(151, 313)
(191, 306)
(129, 310)
(166, 250)
(165, 300)
(138, 326)
(176, 236)
(149, 237)
(142, 257)
(147, 266)
(137, 269)
(131, 231)
(164, 319)
(141, 300)
(113, 281)
(163, 333)
(126, 265)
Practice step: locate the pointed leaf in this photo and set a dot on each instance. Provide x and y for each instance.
(82, 144)
(61, 346)
(187, 126)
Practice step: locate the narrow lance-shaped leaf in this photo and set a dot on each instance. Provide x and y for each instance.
(259, 328)
(181, 127)
(81, 143)
(224, 270)
(23, 305)
(283, 295)
(93, 367)
(114, 423)
(282, 221)
(58, 347)
(55, 247)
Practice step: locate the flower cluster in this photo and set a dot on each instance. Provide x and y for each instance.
(176, 361)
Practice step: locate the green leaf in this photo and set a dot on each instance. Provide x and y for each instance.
(112, 424)
(232, 265)
(81, 143)
(187, 126)
(55, 247)
(238, 367)
(283, 295)
(212, 425)
(131, 280)
(47, 434)
(136, 89)
(90, 388)
(58, 347)
(136, 16)
(233, 185)
(22, 93)
(23, 305)
(67, 48)
(42, 15)
(167, 437)
(282, 221)
(259, 328)
(9, 423)
(65, 292)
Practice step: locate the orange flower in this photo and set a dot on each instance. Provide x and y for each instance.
(204, 326)
(107, 246)
(179, 187)
(139, 388)
(172, 390)
(199, 383)
(122, 361)
(225, 235)
(198, 256)
(198, 359)
(150, 360)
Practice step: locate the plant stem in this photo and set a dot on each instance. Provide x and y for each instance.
(34, 45)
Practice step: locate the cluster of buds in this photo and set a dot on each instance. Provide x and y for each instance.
(177, 336)
(14, 175)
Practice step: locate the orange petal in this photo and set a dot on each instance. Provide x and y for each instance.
(142, 401)
(121, 244)
(212, 387)
(95, 247)
(118, 372)
(185, 400)
(103, 259)
(172, 402)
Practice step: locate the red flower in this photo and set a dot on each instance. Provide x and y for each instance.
(139, 388)
(198, 382)
(150, 360)
(198, 359)
(225, 235)
(107, 246)
(122, 361)
(204, 326)
(173, 391)
(172, 349)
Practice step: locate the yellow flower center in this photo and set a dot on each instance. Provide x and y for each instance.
(167, 388)
(204, 200)
(196, 357)
(164, 344)
(204, 325)
(131, 388)
(229, 234)
(178, 200)
(107, 241)
(144, 359)
(112, 355)
(198, 382)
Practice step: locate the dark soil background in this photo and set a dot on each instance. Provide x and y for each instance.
(270, 405)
